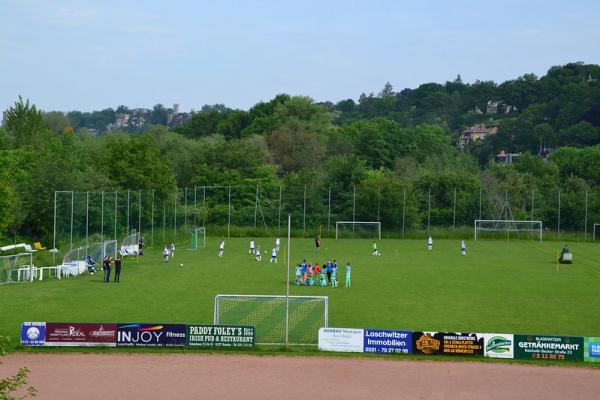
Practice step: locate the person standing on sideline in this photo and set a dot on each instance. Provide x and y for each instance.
(430, 243)
(172, 250)
(348, 275)
(273, 255)
(252, 247)
(166, 254)
(277, 243)
(329, 267)
(118, 269)
(318, 242)
(463, 248)
(141, 246)
(106, 264)
(222, 248)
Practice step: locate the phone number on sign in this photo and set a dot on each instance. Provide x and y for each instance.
(385, 350)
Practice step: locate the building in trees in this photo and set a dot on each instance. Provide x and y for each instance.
(473, 133)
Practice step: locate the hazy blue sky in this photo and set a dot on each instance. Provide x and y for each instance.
(87, 55)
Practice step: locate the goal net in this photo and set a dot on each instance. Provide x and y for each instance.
(129, 245)
(17, 268)
(510, 229)
(357, 229)
(197, 238)
(74, 262)
(97, 251)
(267, 313)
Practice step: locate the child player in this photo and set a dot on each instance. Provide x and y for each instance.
(334, 281)
(463, 248)
(348, 275)
(317, 273)
(221, 248)
(277, 243)
(252, 247)
(273, 256)
(258, 255)
(166, 254)
(298, 273)
(323, 279)
(430, 243)
(374, 249)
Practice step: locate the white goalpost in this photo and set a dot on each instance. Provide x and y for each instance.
(361, 229)
(594, 232)
(490, 228)
(17, 268)
(197, 238)
(305, 315)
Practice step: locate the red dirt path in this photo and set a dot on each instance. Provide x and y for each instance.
(198, 376)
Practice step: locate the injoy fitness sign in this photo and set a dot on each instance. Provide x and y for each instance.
(151, 335)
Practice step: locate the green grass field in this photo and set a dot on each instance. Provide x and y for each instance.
(509, 287)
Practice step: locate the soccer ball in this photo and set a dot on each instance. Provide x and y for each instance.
(181, 265)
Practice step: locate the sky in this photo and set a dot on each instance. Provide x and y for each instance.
(91, 55)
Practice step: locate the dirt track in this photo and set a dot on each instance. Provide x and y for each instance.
(195, 376)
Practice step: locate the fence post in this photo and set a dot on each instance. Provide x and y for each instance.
(140, 213)
(454, 216)
(72, 205)
(255, 206)
(54, 236)
(532, 198)
(328, 209)
(428, 210)
(152, 220)
(164, 217)
(185, 210)
(116, 204)
(353, 209)
(229, 210)
(102, 216)
(558, 224)
(403, 209)
(586, 217)
(127, 233)
(480, 203)
(87, 219)
(175, 215)
(378, 201)
(279, 213)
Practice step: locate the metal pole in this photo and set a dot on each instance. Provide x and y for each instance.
(164, 217)
(174, 215)
(428, 209)
(255, 206)
(87, 219)
(152, 220)
(586, 217)
(287, 280)
(228, 210)
(205, 211)
(279, 215)
(558, 224)
(353, 209)
(479, 203)
(454, 217)
(140, 213)
(127, 212)
(532, 199)
(304, 213)
(102, 216)
(54, 239)
(329, 209)
(72, 201)
(116, 203)
(378, 202)
(403, 210)
(195, 208)
(185, 210)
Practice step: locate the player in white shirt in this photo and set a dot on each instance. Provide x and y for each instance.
(277, 243)
(172, 250)
(430, 243)
(252, 250)
(463, 248)
(221, 248)
(273, 256)
(258, 255)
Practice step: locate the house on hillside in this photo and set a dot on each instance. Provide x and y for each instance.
(505, 158)
(473, 133)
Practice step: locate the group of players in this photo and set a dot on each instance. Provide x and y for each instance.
(309, 275)
(255, 250)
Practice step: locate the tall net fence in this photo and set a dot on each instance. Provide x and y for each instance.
(83, 218)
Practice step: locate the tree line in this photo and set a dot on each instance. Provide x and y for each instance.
(387, 143)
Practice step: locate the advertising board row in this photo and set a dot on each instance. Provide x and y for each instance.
(496, 345)
(135, 335)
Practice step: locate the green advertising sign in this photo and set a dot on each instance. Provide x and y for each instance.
(532, 347)
(591, 352)
(221, 336)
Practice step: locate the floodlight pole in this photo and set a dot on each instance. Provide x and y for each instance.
(558, 222)
(72, 202)
(353, 208)
(102, 215)
(586, 217)
(532, 199)
(403, 209)
(304, 213)
(116, 203)
(378, 202)
(127, 213)
(428, 209)
(152, 220)
(329, 209)
(140, 213)
(279, 215)
(287, 280)
(229, 211)
(87, 219)
(454, 212)
(175, 215)
(185, 210)
(479, 203)
(255, 206)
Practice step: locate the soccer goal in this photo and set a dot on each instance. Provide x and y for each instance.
(267, 313)
(129, 245)
(197, 238)
(17, 268)
(502, 228)
(358, 229)
(100, 250)
(594, 232)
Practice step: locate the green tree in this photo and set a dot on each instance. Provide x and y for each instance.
(26, 124)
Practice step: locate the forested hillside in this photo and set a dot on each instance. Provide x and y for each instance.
(385, 145)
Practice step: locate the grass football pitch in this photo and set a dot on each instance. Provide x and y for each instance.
(499, 287)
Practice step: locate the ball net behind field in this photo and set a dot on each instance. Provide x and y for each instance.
(267, 313)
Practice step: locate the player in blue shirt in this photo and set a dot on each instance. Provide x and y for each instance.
(329, 267)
